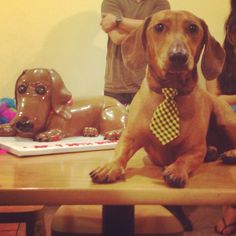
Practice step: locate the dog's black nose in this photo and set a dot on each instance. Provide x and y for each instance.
(178, 53)
(25, 125)
(178, 58)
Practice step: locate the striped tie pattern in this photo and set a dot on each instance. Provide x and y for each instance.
(165, 120)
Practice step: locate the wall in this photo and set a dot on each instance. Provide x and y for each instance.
(66, 36)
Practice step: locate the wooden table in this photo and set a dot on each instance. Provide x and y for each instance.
(64, 180)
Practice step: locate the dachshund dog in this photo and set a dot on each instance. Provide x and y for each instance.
(169, 45)
(46, 111)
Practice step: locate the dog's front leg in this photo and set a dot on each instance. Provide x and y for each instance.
(113, 135)
(176, 174)
(90, 132)
(115, 169)
(50, 136)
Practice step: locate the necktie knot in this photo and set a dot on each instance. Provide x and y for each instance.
(169, 92)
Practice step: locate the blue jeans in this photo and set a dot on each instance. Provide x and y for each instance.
(233, 107)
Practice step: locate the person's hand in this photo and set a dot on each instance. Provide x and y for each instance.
(224, 97)
(108, 22)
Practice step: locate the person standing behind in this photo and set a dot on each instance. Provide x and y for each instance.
(119, 18)
(225, 87)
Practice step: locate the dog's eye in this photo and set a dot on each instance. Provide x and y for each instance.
(159, 27)
(22, 89)
(40, 89)
(192, 28)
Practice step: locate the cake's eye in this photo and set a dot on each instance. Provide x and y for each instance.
(40, 89)
(22, 89)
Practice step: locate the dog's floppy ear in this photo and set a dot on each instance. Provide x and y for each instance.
(23, 72)
(133, 48)
(213, 55)
(60, 96)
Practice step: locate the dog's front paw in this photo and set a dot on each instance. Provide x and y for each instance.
(90, 132)
(108, 173)
(49, 136)
(6, 130)
(113, 135)
(175, 176)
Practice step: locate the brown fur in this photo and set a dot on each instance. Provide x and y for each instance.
(184, 36)
(53, 115)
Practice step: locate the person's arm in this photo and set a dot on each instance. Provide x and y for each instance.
(212, 87)
(126, 24)
(117, 36)
(117, 31)
(109, 23)
(230, 99)
(110, 9)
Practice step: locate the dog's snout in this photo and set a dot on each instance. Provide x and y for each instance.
(178, 54)
(25, 125)
(178, 59)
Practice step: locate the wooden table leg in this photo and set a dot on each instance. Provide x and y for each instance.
(118, 220)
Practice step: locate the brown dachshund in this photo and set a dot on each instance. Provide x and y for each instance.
(170, 44)
(46, 111)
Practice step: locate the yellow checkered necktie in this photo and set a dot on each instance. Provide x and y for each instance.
(165, 120)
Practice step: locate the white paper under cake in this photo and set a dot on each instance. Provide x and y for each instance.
(28, 147)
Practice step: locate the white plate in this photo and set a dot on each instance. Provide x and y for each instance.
(28, 147)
